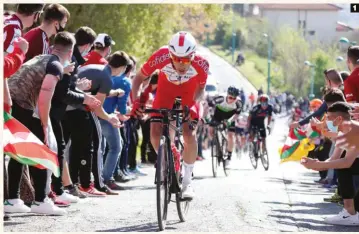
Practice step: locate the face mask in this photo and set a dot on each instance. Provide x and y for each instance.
(85, 52)
(61, 29)
(331, 126)
(66, 63)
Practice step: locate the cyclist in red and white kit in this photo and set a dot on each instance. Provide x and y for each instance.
(182, 73)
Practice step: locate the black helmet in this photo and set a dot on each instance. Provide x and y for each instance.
(233, 91)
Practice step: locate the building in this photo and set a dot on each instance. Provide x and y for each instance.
(315, 21)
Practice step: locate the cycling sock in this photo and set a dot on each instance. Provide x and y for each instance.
(187, 177)
(229, 155)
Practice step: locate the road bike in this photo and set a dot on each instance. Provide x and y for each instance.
(168, 179)
(219, 147)
(256, 150)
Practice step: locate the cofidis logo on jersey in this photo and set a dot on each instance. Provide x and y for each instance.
(159, 59)
(201, 63)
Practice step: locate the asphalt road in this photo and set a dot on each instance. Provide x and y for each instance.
(284, 198)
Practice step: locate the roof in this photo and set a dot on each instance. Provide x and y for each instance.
(313, 7)
(342, 27)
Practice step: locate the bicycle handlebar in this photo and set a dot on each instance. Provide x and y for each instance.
(169, 112)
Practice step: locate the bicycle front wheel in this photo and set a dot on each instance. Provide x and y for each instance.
(214, 152)
(251, 153)
(224, 151)
(265, 159)
(162, 184)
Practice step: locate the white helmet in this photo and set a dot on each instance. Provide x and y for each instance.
(182, 44)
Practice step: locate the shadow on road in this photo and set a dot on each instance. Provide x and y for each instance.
(308, 224)
(139, 187)
(147, 227)
(13, 223)
(276, 180)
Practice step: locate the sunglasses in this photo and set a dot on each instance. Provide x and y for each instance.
(232, 98)
(183, 60)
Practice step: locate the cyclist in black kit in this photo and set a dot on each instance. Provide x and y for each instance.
(257, 116)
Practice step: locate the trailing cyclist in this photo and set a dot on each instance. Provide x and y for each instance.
(257, 117)
(226, 107)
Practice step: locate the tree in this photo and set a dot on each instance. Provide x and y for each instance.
(292, 50)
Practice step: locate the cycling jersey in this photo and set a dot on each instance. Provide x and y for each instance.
(224, 110)
(170, 84)
(258, 114)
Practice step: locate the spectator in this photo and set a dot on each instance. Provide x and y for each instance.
(25, 16)
(351, 85)
(55, 20)
(33, 85)
(12, 63)
(333, 79)
(86, 133)
(146, 146)
(64, 96)
(345, 160)
(111, 135)
(102, 49)
(132, 127)
(260, 91)
(85, 37)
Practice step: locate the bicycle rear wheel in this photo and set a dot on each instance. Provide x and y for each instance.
(265, 159)
(214, 152)
(252, 157)
(162, 184)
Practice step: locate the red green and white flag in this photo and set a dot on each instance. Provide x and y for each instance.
(291, 144)
(22, 145)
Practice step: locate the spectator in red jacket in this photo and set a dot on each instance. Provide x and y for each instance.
(25, 16)
(351, 84)
(55, 20)
(102, 48)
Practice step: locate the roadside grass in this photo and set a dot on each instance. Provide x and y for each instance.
(254, 69)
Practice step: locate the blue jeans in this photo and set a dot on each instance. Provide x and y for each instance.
(113, 139)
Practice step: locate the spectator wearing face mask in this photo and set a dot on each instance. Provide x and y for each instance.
(333, 79)
(345, 160)
(64, 96)
(102, 49)
(55, 19)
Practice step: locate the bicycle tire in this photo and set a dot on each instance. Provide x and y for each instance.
(265, 159)
(182, 207)
(223, 152)
(253, 159)
(214, 154)
(162, 182)
(181, 204)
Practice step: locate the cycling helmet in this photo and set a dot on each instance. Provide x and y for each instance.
(315, 103)
(263, 98)
(182, 44)
(233, 91)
